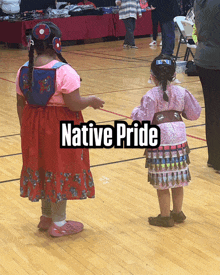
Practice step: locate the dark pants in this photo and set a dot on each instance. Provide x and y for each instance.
(155, 21)
(130, 27)
(210, 80)
(168, 37)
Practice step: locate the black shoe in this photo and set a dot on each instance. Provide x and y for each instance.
(161, 221)
(173, 57)
(180, 217)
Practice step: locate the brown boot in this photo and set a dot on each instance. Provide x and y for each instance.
(180, 217)
(161, 221)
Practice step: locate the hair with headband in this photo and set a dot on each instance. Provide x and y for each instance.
(163, 68)
(45, 37)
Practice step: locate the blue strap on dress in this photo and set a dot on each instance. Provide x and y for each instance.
(43, 84)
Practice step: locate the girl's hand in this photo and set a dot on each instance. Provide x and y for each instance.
(96, 102)
(152, 8)
(118, 3)
(139, 15)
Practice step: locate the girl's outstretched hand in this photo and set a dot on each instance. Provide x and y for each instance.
(96, 102)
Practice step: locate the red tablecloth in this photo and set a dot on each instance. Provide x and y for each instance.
(77, 28)
(143, 25)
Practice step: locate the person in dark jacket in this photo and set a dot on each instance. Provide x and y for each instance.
(155, 22)
(207, 59)
(166, 11)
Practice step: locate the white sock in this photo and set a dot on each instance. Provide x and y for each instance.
(60, 223)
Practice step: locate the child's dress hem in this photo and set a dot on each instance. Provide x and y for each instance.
(168, 166)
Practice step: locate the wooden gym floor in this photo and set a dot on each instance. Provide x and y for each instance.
(117, 238)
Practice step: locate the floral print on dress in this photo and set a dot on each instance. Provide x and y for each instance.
(91, 183)
(21, 191)
(77, 178)
(73, 191)
(50, 172)
(84, 196)
(67, 175)
(48, 176)
(52, 190)
(25, 181)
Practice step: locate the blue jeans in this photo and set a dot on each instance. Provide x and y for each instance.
(155, 21)
(130, 27)
(168, 37)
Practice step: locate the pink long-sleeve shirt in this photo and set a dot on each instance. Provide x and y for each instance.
(180, 99)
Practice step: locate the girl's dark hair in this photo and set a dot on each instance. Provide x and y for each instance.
(163, 72)
(42, 46)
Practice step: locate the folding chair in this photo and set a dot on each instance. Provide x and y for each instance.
(188, 30)
(182, 39)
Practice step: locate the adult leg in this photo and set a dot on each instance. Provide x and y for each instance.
(210, 80)
(129, 26)
(126, 41)
(155, 25)
(133, 22)
(168, 37)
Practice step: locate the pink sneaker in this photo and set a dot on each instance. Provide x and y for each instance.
(44, 223)
(69, 228)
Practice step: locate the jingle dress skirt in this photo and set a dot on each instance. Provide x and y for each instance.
(48, 171)
(168, 166)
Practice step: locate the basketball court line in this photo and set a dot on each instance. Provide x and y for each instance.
(11, 155)
(3, 156)
(105, 57)
(195, 126)
(7, 73)
(130, 118)
(127, 57)
(100, 57)
(110, 163)
(122, 57)
(7, 80)
(109, 69)
(125, 160)
(101, 122)
(9, 135)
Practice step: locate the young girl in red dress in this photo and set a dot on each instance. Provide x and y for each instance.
(47, 93)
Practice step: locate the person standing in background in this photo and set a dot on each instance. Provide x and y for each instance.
(207, 60)
(166, 11)
(155, 21)
(128, 10)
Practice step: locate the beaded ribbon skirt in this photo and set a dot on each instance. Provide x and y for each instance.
(168, 166)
